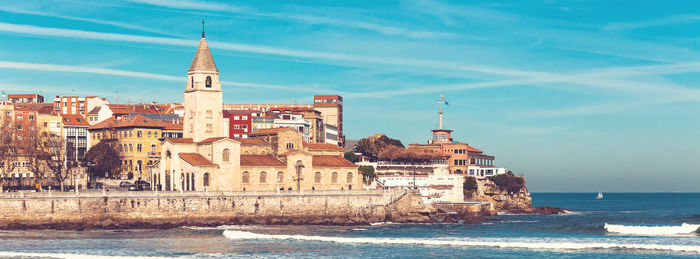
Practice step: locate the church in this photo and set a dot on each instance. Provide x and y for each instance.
(205, 159)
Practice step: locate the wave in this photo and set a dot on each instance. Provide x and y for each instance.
(543, 245)
(67, 255)
(683, 229)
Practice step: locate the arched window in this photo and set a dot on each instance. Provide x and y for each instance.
(263, 152)
(349, 177)
(280, 177)
(208, 82)
(334, 177)
(138, 165)
(226, 154)
(290, 146)
(317, 177)
(182, 185)
(187, 180)
(168, 154)
(192, 182)
(246, 152)
(246, 177)
(205, 180)
(263, 177)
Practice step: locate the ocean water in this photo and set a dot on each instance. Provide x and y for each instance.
(581, 234)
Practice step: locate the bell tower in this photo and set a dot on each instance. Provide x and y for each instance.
(203, 97)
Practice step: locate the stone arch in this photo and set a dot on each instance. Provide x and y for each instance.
(263, 177)
(280, 177)
(245, 177)
(317, 177)
(226, 155)
(334, 177)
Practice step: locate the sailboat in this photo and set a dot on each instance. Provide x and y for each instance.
(600, 195)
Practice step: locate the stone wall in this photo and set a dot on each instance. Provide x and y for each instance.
(165, 211)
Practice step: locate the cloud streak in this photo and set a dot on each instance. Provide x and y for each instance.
(671, 20)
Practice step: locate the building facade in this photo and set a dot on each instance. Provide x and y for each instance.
(269, 159)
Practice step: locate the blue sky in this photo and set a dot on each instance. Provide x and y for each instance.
(576, 95)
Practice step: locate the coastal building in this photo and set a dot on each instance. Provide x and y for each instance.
(296, 121)
(75, 134)
(269, 159)
(331, 108)
(25, 98)
(138, 139)
(240, 122)
(263, 122)
(68, 105)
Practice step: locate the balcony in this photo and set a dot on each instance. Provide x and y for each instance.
(153, 155)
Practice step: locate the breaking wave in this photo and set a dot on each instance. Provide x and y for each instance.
(683, 229)
(67, 256)
(548, 244)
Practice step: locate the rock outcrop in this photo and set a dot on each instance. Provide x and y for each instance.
(501, 199)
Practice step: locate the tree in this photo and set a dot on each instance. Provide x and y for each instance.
(8, 148)
(371, 146)
(36, 155)
(509, 182)
(55, 161)
(350, 156)
(367, 173)
(104, 158)
(470, 184)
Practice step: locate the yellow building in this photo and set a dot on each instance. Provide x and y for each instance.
(138, 140)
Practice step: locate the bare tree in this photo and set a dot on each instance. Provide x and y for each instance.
(37, 156)
(8, 148)
(56, 147)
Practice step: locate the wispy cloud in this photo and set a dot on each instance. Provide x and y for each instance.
(89, 20)
(124, 73)
(670, 20)
(302, 18)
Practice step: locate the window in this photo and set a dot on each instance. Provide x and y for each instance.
(138, 134)
(244, 117)
(209, 114)
(153, 148)
(131, 148)
(280, 177)
(192, 84)
(209, 128)
(245, 178)
(205, 180)
(236, 126)
(349, 177)
(149, 134)
(236, 117)
(317, 177)
(334, 177)
(31, 118)
(192, 182)
(207, 82)
(263, 177)
(138, 147)
(290, 146)
(225, 155)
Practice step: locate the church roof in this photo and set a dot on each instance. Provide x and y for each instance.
(203, 59)
(260, 160)
(211, 140)
(252, 141)
(331, 161)
(270, 131)
(323, 146)
(195, 159)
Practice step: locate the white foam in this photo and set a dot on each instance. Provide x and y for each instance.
(381, 223)
(69, 256)
(683, 229)
(540, 245)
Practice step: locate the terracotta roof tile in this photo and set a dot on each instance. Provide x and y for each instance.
(196, 159)
(138, 121)
(180, 140)
(331, 161)
(270, 131)
(322, 146)
(210, 140)
(473, 149)
(74, 120)
(260, 160)
(252, 141)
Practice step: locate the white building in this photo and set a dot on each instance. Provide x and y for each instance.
(331, 132)
(483, 172)
(433, 180)
(295, 121)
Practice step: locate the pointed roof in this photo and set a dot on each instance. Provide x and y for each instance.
(203, 59)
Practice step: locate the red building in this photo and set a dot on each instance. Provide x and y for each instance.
(239, 122)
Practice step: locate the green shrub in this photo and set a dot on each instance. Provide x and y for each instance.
(508, 182)
(470, 184)
(350, 156)
(367, 172)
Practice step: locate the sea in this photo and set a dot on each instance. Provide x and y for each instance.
(639, 225)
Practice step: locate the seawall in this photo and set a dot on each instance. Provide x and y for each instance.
(166, 210)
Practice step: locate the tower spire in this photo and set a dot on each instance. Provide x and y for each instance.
(202, 27)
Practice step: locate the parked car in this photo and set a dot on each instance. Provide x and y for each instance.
(124, 184)
(143, 185)
(132, 187)
(94, 185)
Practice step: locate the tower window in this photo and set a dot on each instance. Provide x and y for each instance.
(192, 84)
(208, 82)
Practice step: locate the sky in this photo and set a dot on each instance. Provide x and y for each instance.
(575, 95)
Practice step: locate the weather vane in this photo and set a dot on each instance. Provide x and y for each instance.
(202, 27)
